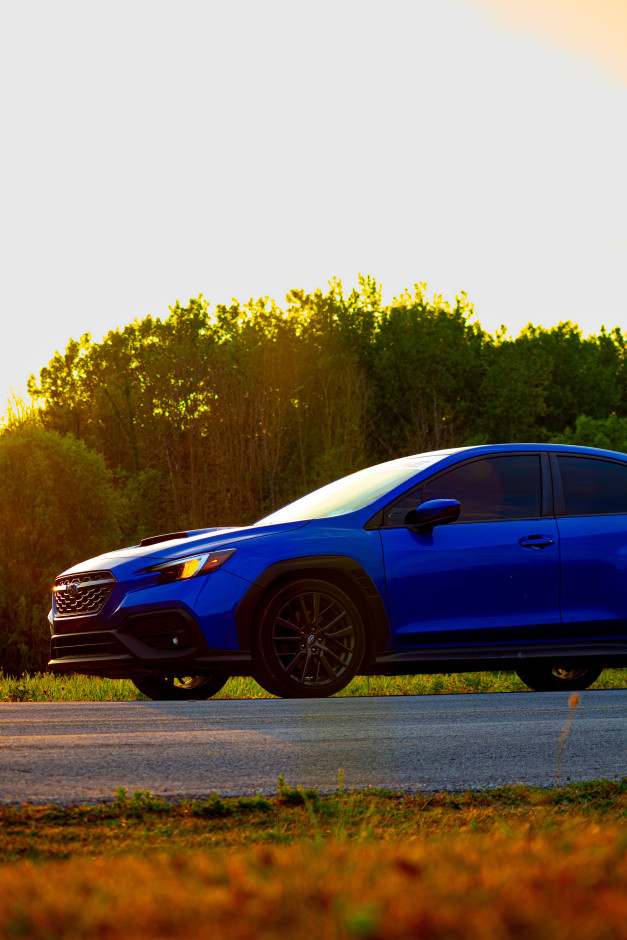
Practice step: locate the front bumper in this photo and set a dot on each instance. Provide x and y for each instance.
(165, 642)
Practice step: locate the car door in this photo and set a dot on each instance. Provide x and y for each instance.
(591, 506)
(490, 578)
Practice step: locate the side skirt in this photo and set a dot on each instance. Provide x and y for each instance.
(489, 659)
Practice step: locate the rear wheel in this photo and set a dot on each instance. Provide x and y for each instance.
(553, 678)
(309, 641)
(180, 689)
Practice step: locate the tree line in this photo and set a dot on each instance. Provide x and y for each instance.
(218, 416)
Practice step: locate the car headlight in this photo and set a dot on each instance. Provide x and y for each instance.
(181, 569)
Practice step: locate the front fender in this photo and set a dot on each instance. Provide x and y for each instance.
(340, 570)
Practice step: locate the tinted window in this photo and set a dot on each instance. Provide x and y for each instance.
(492, 489)
(593, 487)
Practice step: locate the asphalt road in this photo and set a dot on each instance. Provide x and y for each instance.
(80, 752)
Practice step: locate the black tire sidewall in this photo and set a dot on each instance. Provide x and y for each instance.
(542, 679)
(162, 689)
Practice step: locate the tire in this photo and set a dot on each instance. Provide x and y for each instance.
(183, 689)
(309, 640)
(553, 678)
(265, 681)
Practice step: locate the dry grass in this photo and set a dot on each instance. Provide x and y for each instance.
(466, 888)
(513, 863)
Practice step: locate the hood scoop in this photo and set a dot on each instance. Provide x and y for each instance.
(154, 539)
(171, 536)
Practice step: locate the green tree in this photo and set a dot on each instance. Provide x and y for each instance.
(224, 415)
(607, 433)
(425, 371)
(511, 402)
(537, 384)
(584, 373)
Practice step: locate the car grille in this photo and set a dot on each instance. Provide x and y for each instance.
(82, 594)
(85, 644)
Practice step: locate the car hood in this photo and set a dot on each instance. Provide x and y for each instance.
(137, 557)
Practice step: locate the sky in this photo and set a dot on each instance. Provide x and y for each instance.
(154, 150)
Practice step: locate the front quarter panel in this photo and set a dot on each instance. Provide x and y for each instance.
(219, 597)
(340, 546)
(319, 537)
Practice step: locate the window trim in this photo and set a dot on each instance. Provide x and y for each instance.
(546, 494)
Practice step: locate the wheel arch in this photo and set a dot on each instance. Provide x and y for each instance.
(343, 572)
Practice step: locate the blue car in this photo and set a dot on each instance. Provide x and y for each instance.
(509, 556)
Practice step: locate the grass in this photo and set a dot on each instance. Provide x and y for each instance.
(44, 687)
(143, 822)
(515, 862)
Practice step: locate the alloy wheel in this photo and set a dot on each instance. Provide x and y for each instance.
(310, 640)
(313, 639)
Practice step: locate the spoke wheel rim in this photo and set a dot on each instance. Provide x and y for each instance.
(313, 639)
(188, 682)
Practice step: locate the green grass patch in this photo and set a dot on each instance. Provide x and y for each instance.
(142, 822)
(45, 687)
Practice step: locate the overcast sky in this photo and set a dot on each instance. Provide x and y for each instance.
(154, 150)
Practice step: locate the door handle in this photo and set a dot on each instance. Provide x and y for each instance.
(536, 541)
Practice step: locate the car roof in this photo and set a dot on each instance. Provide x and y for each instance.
(479, 449)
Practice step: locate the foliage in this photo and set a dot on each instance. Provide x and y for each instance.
(221, 416)
(426, 367)
(609, 433)
(513, 394)
(58, 504)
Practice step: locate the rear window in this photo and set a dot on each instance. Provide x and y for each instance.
(593, 487)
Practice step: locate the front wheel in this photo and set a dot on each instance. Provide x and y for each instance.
(180, 689)
(553, 678)
(309, 641)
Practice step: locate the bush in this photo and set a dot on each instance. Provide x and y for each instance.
(58, 507)
(607, 433)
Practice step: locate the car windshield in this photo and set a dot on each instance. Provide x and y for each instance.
(353, 492)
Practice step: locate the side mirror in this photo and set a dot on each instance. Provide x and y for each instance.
(431, 513)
